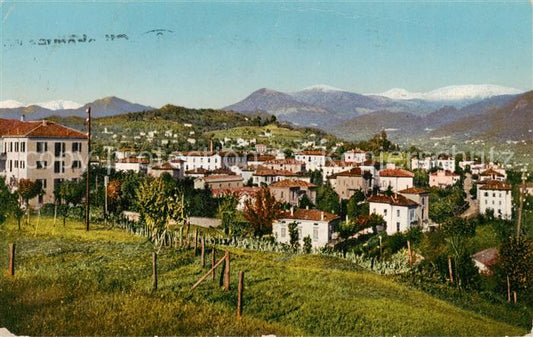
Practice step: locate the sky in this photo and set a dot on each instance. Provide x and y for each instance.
(213, 54)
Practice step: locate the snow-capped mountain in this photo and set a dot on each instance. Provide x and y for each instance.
(321, 87)
(59, 105)
(453, 93)
(10, 104)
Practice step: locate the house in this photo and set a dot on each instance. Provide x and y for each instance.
(336, 166)
(348, 182)
(291, 191)
(218, 182)
(425, 163)
(446, 162)
(193, 160)
(255, 159)
(241, 193)
(170, 168)
(397, 179)
(421, 197)
(495, 195)
(484, 260)
(267, 177)
(316, 224)
(137, 165)
(492, 174)
(231, 158)
(260, 148)
(287, 164)
(398, 212)
(443, 178)
(313, 159)
(41, 151)
(355, 156)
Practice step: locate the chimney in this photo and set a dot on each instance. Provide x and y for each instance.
(322, 216)
(22, 118)
(211, 145)
(292, 210)
(307, 207)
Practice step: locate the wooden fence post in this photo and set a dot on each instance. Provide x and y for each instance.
(514, 296)
(154, 270)
(202, 256)
(450, 268)
(227, 272)
(212, 264)
(508, 290)
(187, 238)
(181, 236)
(239, 298)
(195, 242)
(11, 259)
(410, 254)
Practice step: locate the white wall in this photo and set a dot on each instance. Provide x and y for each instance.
(306, 227)
(499, 201)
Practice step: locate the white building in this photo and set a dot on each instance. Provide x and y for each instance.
(355, 156)
(443, 178)
(446, 162)
(194, 160)
(314, 160)
(425, 163)
(493, 174)
(316, 224)
(399, 212)
(41, 151)
(497, 196)
(397, 179)
(137, 165)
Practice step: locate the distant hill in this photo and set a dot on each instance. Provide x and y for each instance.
(325, 106)
(108, 106)
(404, 126)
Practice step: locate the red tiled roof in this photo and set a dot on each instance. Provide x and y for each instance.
(265, 157)
(495, 185)
(200, 170)
(335, 163)
(287, 161)
(164, 166)
(396, 173)
(246, 190)
(488, 257)
(276, 173)
(37, 129)
(222, 177)
(292, 183)
(313, 153)
(355, 172)
(133, 161)
(356, 150)
(491, 172)
(396, 199)
(196, 153)
(447, 173)
(414, 190)
(309, 214)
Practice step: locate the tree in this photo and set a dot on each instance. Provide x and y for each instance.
(350, 228)
(307, 244)
(305, 202)
(27, 190)
(327, 199)
(70, 193)
(5, 200)
(516, 262)
(421, 179)
(355, 205)
(227, 212)
(262, 211)
(293, 235)
(316, 177)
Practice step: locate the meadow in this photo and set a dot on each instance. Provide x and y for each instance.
(72, 282)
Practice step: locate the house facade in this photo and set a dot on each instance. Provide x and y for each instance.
(218, 182)
(496, 196)
(348, 182)
(398, 212)
(313, 159)
(291, 191)
(397, 179)
(316, 224)
(443, 178)
(355, 156)
(137, 165)
(421, 197)
(41, 151)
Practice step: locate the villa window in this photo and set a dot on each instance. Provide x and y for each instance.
(42, 147)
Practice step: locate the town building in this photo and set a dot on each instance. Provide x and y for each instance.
(241, 193)
(496, 195)
(287, 164)
(218, 182)
(492, 174)
(446, 162)
(313, 159)
(443, 178)
(348, 182)
(421, 197)
(137, 165)
(398, 212)
(291, 191)
(265, 177)
(397, 179)
(316, 224)
(425, 163)
(336, 166)
(166, 168)
(41, 151)
(355, 156)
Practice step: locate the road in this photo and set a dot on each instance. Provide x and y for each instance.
(473, 205)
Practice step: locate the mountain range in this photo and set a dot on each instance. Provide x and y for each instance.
(108, 106)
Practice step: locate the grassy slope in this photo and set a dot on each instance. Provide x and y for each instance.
(70, 282)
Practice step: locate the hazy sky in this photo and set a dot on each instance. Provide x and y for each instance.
(206, 54)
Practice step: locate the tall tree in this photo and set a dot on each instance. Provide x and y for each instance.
(27, 190)
(327, 199)
(262, 211)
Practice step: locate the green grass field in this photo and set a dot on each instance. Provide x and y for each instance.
(72, 282)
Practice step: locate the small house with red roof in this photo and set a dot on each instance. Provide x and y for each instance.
(398, 212)
(396, 178)
(443, 178)
(495, 195)
(291, 191)
(313, 223)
